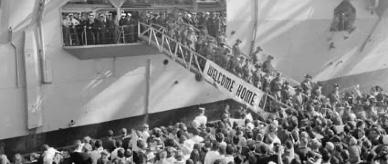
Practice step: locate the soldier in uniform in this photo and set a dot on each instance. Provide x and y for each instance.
(286, 91)
(191, 38)
(204, 19)
(257, 78)
(266, 82)
(216, 24)
(129, 29)
(276, 84)
(335, 95)
(69, 28)
(307, 84)
(101, 25)
(209, 51)
(267, 65)
(233, 64)
(122, 20)
(211, 26)
(239, 68)
(89, 33)
(236, 51)
(299, 98)
(275, 105)
(317, 94)
(255, 55)
(221, 55)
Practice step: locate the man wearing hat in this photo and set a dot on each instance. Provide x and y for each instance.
(69, 28)
(257, 77)
(122, 20)
(307, 84)
(191, 38)
(236, 51)
(221, 55)
(255, 56)
(267, 65)
(299, 99)
(101, 28)
(130, 29)
(335, 95)
(201, 119)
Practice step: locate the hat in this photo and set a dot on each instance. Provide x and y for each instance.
(87, 139)
(259, 48)
(146, 126)
(308, 76)
(201, 108)
(70, 14)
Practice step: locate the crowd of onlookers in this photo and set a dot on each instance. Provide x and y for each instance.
(343, 129)
(299, 124)
(89, 28)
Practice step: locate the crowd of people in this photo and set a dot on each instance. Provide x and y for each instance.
(349, 129)
(298, 124)
(88, 28)
(205, 34)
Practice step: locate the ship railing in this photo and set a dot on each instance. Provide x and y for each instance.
(192, 60)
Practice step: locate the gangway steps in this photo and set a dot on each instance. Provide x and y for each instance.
(184, 55)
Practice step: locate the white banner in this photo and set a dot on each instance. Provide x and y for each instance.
(232, 85)
(207, 1)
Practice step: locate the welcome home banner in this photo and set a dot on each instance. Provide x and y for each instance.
(232, 85)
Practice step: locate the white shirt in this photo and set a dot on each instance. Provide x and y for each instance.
(171, 160)
(70, 23)
(48, 155)
(95, 155)
(228, 158)
(211, 156)
(197, 139)
(201, 119)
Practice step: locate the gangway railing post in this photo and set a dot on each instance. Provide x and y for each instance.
(190, 60)
(86, 36)
(138, 29)
(162, 44)
(157, 40)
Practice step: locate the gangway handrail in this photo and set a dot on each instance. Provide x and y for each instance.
(152, 33)
(289, 79)
(245, 55)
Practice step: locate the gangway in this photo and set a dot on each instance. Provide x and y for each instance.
(292, 81)
(157, 37)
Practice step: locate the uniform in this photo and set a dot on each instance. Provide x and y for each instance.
(236, 51)
(267, 67)
(307, 86)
